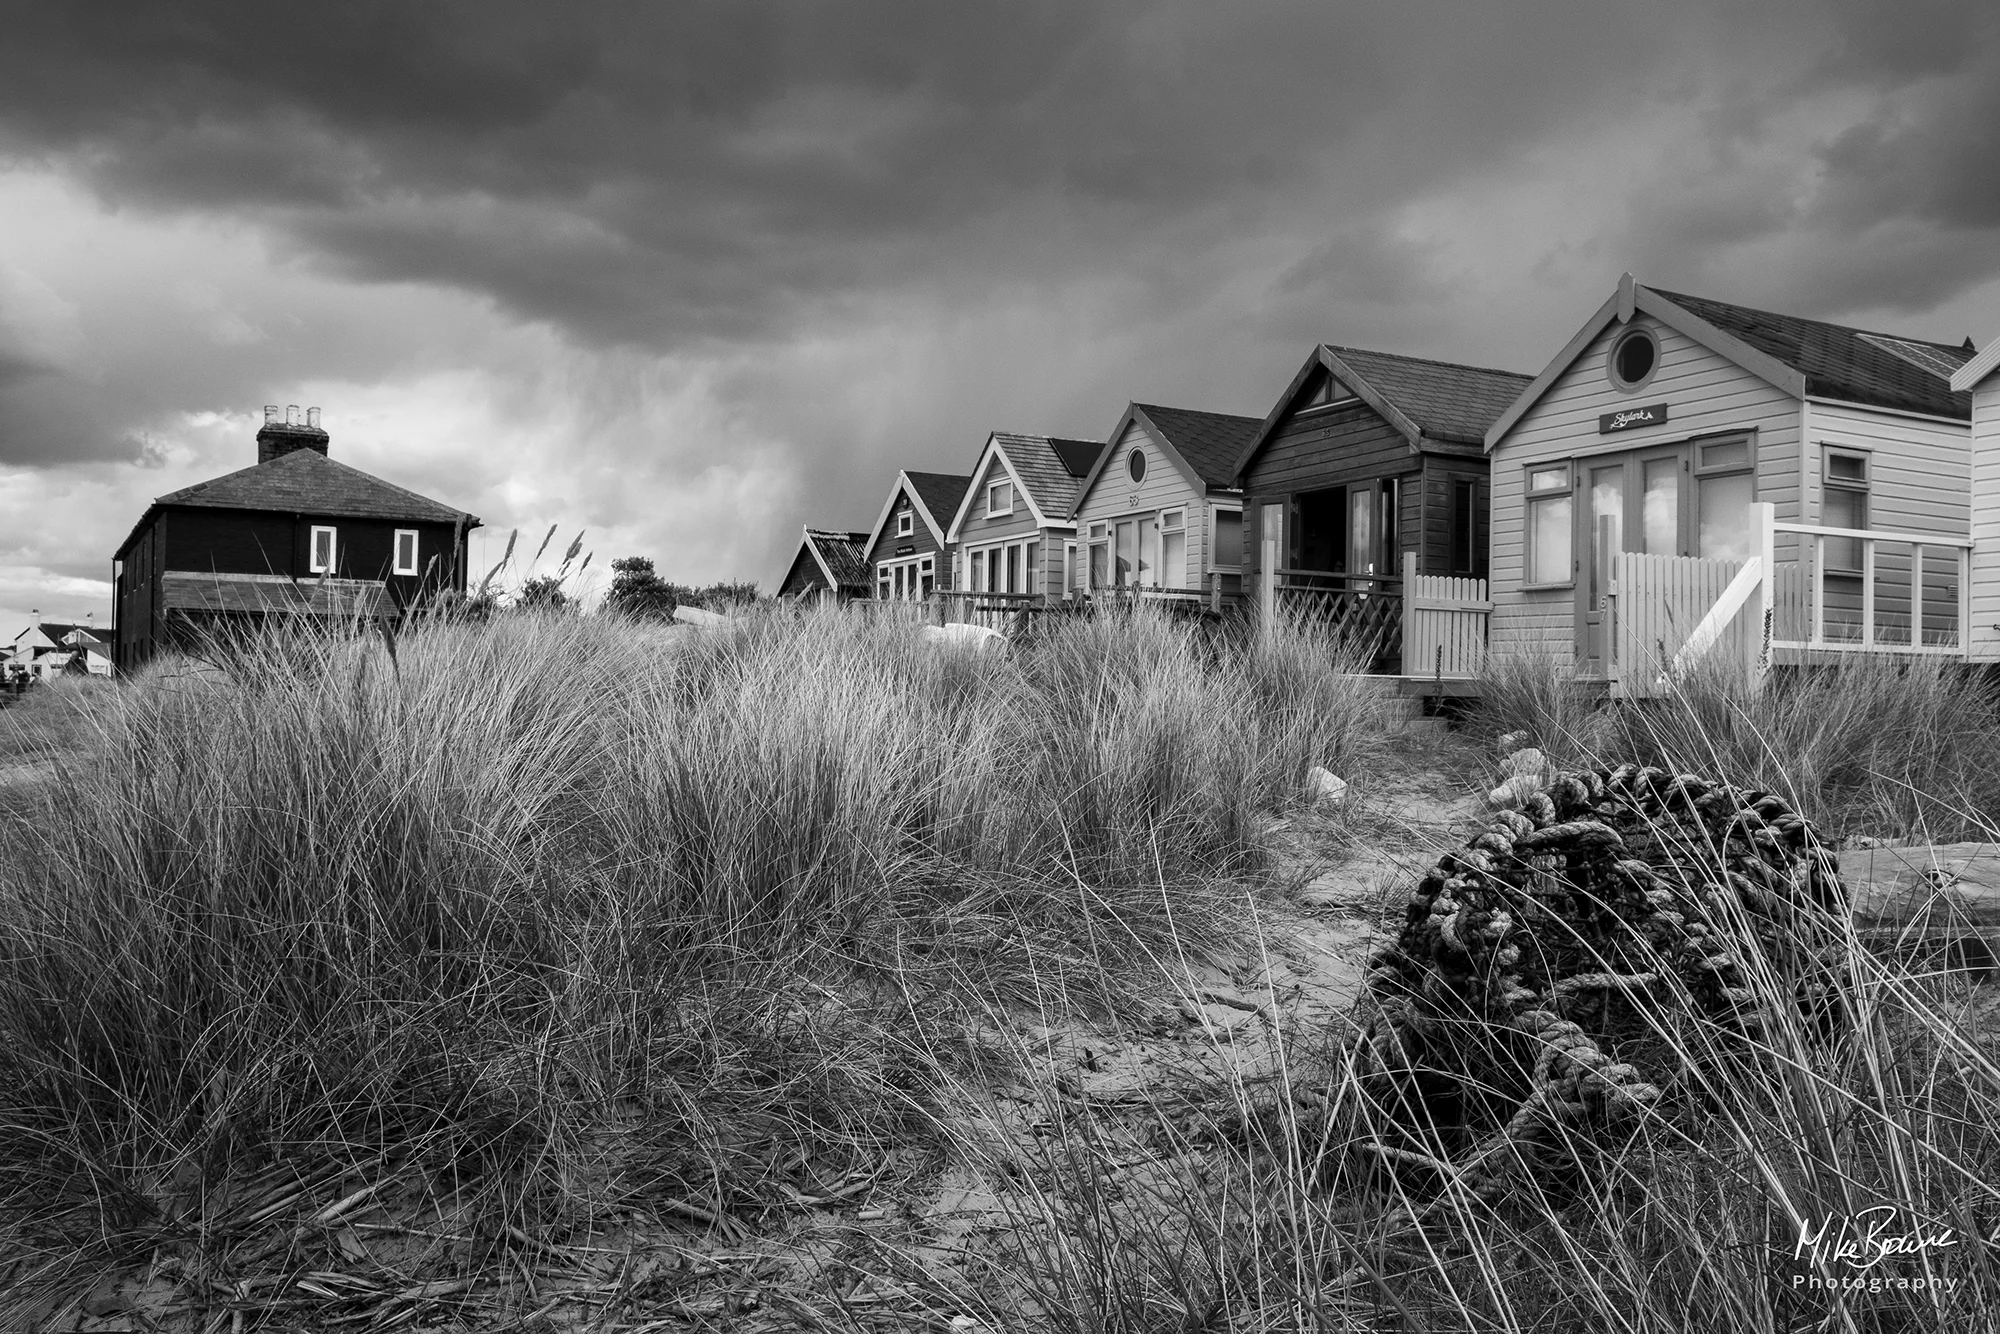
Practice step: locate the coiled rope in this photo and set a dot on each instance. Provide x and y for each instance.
(1526, 1000)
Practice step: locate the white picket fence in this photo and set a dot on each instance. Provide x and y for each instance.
(1444, 624)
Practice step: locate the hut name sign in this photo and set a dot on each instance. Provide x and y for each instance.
(1612, 422)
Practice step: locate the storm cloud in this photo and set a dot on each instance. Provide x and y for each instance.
(691, 275)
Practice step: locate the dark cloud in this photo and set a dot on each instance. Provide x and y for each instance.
(765, 252)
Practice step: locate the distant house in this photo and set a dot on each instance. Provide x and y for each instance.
(906, 553)
(828, 565)
(1159, 511)
(1979, 379)
(1629, 481)
(1013, 530)
(297, 534)
(49, 649)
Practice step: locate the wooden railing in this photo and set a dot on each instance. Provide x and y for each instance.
(1366, 611)
(1005, 612)
(1670, 613)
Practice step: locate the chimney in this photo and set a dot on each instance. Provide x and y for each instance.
(279, 438)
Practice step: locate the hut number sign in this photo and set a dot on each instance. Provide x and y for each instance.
(1612, 422)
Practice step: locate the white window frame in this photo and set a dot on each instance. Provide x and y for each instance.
(399, 567)
(1215, 565)
(991, 511)
(906, 524)
(1844, 555)
(1530, 498)
(1160, 530)
(332, 562)
(902, 579)
(992, 561)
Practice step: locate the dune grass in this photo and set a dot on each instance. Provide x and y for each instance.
(566, 913)
(562, 917)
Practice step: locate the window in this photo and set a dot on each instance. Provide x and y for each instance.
(927, 577)
(978, 582)
(1845, 505)
(1549, 511)
(1033, 561)
(1127, 552)
(1173, 549)
(324, 553)
(406, 551)
(1725, 483)
(1072, 571)
(1389, 526)
(1327, 391)
(1634, 358)
(1464, 494)
(1228, 529)
(1135, 464)
(906, 523)
(999, 499)
(1100, 556)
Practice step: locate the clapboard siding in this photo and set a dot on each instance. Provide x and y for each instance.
(1985, 644)
(1316, 450)
(978, 530)
(920, 542)
(1114, 495)
(1705, 394)
(1920, 470)
(1440, 472)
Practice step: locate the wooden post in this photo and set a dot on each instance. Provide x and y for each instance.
(1760, 612)
(1867, 592)
(1818, 635)
(1916, 596)
(1964, 602)
(1269, 578)
(1409, 614)
(1604, 590)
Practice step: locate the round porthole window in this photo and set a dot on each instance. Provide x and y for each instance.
(1634, 358)
(1135, 463)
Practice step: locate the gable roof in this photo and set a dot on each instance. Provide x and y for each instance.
(1967, 377)
(1804, 358)
(1428, 402)
(1047, 470)
(1203, 445)
(1879, 370)
(306, 481)
(932, 494)
(842, 558)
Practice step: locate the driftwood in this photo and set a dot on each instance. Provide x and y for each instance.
(1936, 903)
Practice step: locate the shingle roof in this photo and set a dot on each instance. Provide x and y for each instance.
(308, 482)
(843, 554)
(1447, 401)
(1045, 465)
(1211, 442)
(1845, 363)
(940, 493)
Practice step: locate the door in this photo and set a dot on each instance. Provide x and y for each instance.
(1632, 502)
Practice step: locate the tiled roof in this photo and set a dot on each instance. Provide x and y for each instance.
(1045, 468)
(940, 493)
(308, 482)
(1211, 442)
(845, 554)
(1447, 402)
(1844, 363)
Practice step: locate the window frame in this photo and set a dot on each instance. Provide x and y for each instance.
(991, 487)
(396, 555)
(1631, 333)
(1865, 489)
(1242, 539)
(332, 563)
(1532, 497)
(1462, 521)
(906, 523)
(1136, 464)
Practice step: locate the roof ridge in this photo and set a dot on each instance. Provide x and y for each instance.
(1427, 361)
(1809, 319)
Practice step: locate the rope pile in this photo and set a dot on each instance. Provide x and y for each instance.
(1529, 998)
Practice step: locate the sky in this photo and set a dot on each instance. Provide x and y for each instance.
(686, 277)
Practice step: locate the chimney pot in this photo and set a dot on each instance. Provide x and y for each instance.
(291, 414)
(312, 418)
(270, 413)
